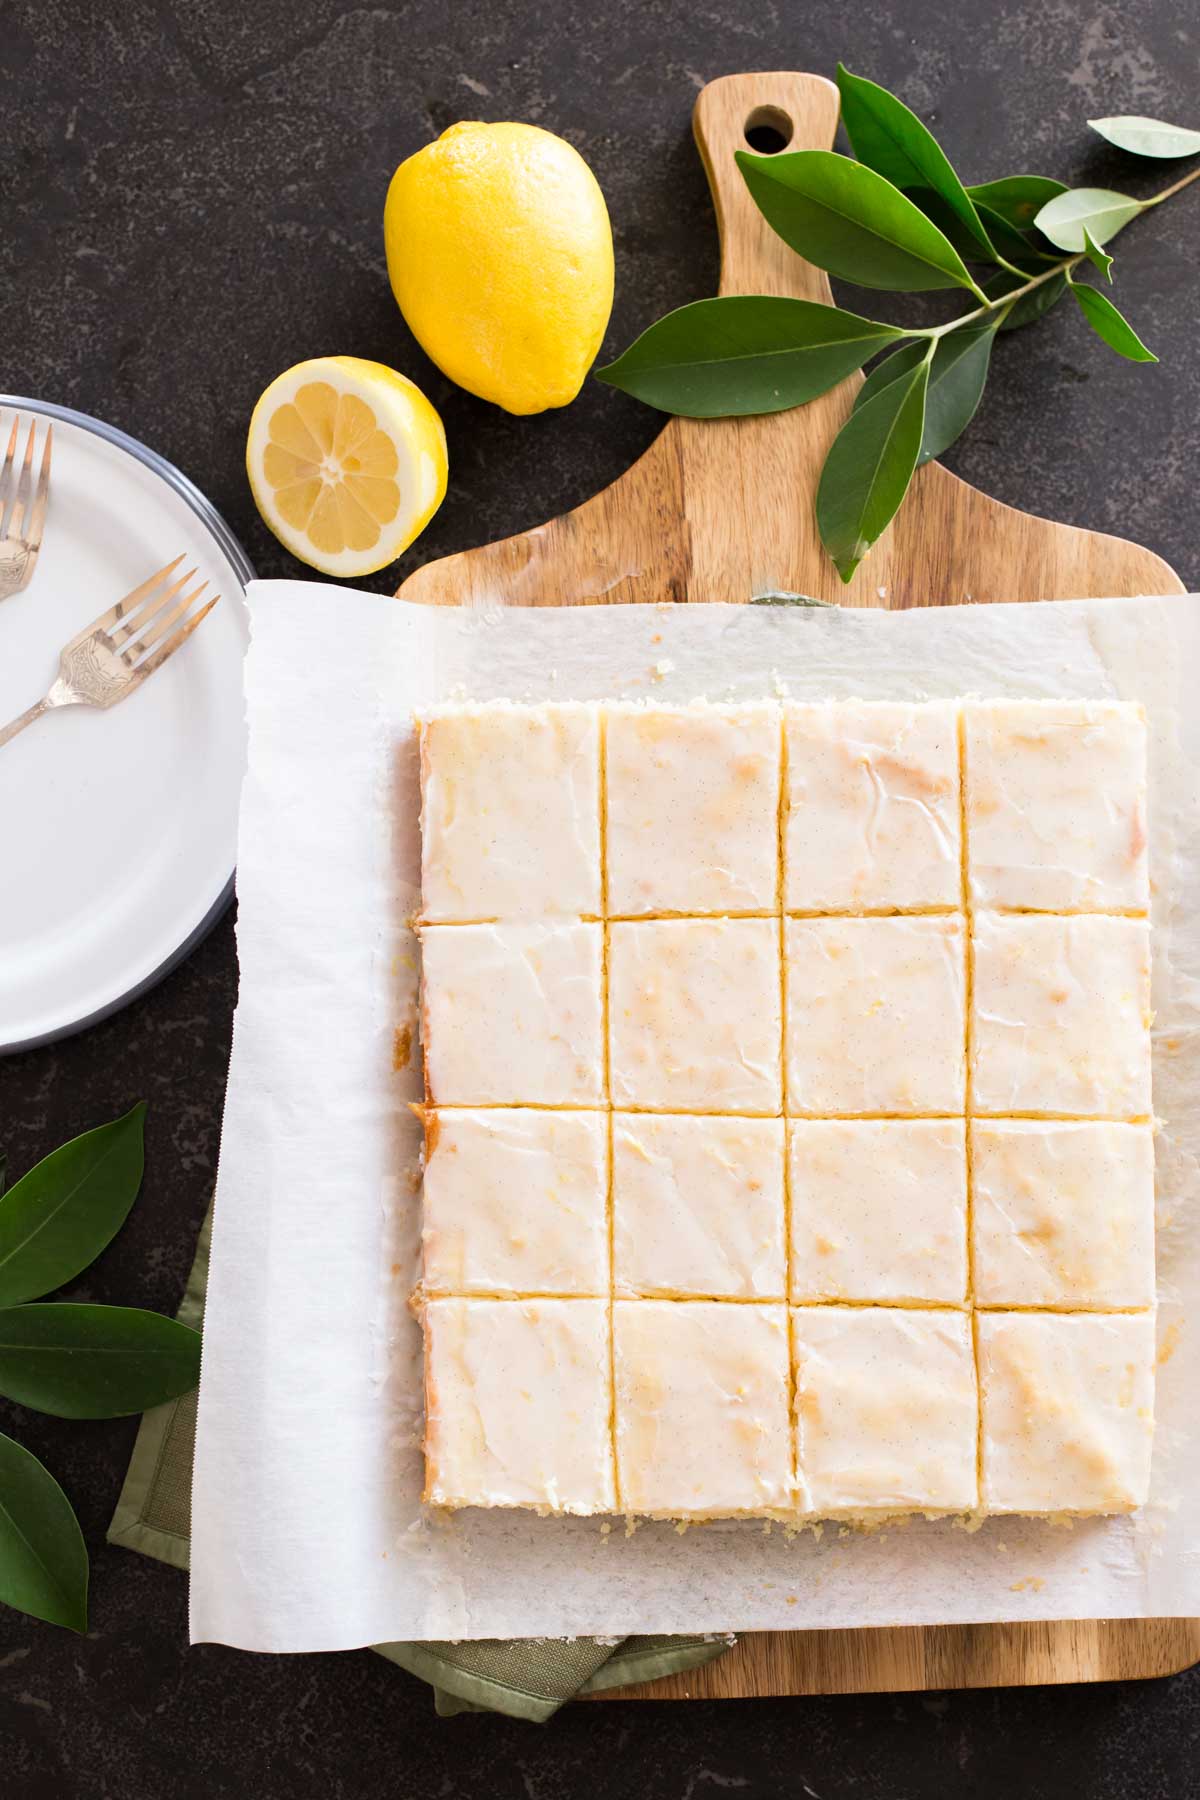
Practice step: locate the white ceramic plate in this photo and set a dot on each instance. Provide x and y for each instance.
(118, 829)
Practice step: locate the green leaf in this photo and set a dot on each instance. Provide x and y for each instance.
(1108, 323)
(94, 1362)
(957, 376)
(1017, 199)
(1015, 246)
(43, 1559)
(869, 467)
(58, 1218)
(848, 220)
(1100, 210)
(1148, 137)
(1099, 258)
(1030, 307)
(890, 139)
(899, 362)
(1005, 241)
(744, 353)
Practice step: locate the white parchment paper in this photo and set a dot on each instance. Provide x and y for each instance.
(308, 1533)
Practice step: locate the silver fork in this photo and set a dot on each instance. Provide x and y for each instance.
(21, 527)
(112, 656)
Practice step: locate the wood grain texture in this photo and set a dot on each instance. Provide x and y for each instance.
(899, 1660)
(723, 510)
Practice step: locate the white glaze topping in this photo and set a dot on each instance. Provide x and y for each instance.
(512, 1014)
(698, 1206)
(510, 811)
(515, 1202)
(885, 1410)
(1068, 1410)
(876, 1019)
(517, 1198)
(1063, 1214)
(517, 1404)
(873, 817)
(693, 800)
(701, 1408)
(693, 1014)
(1056, 804)
(1062, 1016)
(879, 1209)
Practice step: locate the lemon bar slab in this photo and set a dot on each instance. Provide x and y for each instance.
(701, 1408)
(515, 1202)
(878, 1210)
(698, 1206)
(873, 808)
(517, 1404)
(1063, 1214)
(693, 1015)
(510, 812)
(692, 808)
(511, 1014)
(886, 1411)
(875, 1015)
(1061, 1015)
(1056, 805)
(1068, 1411)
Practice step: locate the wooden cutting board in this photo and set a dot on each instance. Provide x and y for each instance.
(723, 510)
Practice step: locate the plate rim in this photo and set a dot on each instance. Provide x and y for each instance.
(235, 554)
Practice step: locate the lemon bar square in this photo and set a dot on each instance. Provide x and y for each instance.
(517, 1404)
(878, 1210)
(1063, 1214)
(510, 812)
(1061, 1015)
(1068, 1411)
(515, 1202)
(692, 808)
(1056, 805)
(512, 1014)
(693, 1015)
(886, 1411)
(873, 807)
(701, 1408)
(698, 1206)
(876, 1018)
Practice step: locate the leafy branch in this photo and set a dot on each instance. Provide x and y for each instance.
(74, 1361)
(894, 216)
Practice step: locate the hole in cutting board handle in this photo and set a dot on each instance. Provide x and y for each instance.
(768, 130)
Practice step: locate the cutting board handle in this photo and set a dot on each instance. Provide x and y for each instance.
(723, 509)
(801, 109)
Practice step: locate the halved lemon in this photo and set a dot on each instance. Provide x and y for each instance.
(347, 463)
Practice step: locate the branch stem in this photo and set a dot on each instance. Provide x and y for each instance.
(1184, 181)
(1005, 300)
(1064, 267)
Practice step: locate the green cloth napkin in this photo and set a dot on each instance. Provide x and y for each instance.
(528, 1678)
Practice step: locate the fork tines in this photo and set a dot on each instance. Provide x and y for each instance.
(142, 619)
(17, 521)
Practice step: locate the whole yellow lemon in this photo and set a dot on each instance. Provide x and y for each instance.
(500, 255)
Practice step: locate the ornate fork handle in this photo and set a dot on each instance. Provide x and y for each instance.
(58, 696)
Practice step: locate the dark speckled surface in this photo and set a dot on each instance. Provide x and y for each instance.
(191, 201)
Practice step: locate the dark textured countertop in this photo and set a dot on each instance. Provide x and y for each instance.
(192, 201)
